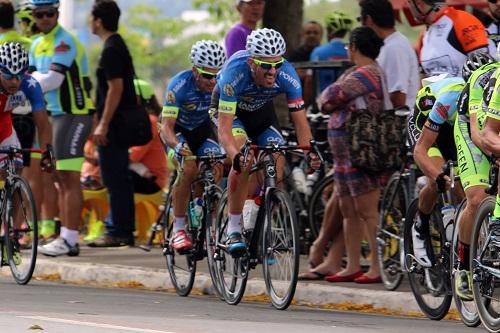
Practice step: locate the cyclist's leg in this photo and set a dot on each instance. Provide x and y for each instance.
(273, 135)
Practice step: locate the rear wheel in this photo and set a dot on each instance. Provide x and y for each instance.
(319, 198)
(181, 266)
(281, 249)
(21, 231)
(210, 219)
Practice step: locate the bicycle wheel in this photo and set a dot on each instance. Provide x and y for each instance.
(21, 230)
(210, 215)
(430, 286)
(231, 272)
(467, 310)
(485, 256)
(181, 266)
(319, 198)
(281, 251)
(389, 238)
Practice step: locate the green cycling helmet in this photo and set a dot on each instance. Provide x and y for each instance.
(337, 21)
(144, 89)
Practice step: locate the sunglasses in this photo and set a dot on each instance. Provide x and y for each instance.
(206, 75)
(47, 13)
(268, 65)
(8, 76)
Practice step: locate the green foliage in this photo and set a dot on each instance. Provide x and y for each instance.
(220, 10)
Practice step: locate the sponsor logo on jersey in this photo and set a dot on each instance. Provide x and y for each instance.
(62, 47)
(170, 97)
(190, 107)
(228, 90)
(294, 82)
(179, 85)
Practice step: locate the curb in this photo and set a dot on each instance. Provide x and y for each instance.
(158, 279)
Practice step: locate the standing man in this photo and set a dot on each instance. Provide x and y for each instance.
(397, 57)
(62, 70)
(115, 89)
(251, 12)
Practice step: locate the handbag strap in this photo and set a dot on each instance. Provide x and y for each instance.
(360, 101)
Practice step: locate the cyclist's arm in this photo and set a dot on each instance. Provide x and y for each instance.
(476, 135)
(225, 133)
(41, 119)
(426, 140)
(168, 130)
(490, 137)
(33, 92)
(301, 127)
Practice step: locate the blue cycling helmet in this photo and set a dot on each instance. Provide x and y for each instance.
(40, 3)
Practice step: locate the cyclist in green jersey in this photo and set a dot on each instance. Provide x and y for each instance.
(25, 21)
(472, 162)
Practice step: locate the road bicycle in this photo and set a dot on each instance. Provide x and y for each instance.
(274, 240)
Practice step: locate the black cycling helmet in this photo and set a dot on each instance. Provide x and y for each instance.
(474, 61)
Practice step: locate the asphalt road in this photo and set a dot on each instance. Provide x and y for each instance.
(58, 308)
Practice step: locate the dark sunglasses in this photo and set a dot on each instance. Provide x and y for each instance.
(47, 13)
(268, 65)
(205, 74)
(8, 76)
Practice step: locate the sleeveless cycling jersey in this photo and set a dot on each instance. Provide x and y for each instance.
(185, 102)
(62, 52)
(447, 41)
(238, 89)
(15, 37)
(29, 92)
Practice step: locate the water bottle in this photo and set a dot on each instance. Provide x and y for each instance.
(310, 182)
(196, 211)
(299, 178)
(250, 212)
(448, 213)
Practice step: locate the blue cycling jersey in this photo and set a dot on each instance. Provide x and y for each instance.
(185, 102)
(30, 92)
(332, 51)
(447, 92)
(238, 89)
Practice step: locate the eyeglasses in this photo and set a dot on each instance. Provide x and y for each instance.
(268, 65)
(47, 13)
(206, 75)
(8, 76)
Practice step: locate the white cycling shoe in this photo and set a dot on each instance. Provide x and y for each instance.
(420, 248)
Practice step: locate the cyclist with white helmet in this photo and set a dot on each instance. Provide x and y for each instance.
(186, 124)
(473, 162)
(245, 89)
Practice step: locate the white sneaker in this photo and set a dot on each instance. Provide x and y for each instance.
(59, 247)
(420, 248)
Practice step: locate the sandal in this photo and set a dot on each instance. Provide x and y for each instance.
(311, 276)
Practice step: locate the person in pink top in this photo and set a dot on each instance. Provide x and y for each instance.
(251, 12)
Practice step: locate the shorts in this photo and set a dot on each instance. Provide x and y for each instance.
(11, 141)
(261, 126)
(26, 130)
(473, 164)
(70, 132)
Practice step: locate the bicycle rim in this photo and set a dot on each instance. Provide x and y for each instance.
(21, 231)
(486, 295)
(231, 272)
(181, 267)
(430, 287)
(467, 310)
(210, 239)
(280, 249)
(319, 198)
(392, 212)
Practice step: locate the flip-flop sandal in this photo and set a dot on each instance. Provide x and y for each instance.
(311, 276)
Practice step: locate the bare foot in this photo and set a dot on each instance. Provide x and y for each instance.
(316, 256)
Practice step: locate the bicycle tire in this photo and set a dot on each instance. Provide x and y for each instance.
(317, 205)
(469, 317)
(21, 242)
(210, 239)
(416, 274)
(231, 272)
(187, 271)
(483, 282)
(280, 235)
(392, 213)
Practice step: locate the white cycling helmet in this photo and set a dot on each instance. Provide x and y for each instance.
(207, 53)
(13, 58)
(40, 3)
(266, 43)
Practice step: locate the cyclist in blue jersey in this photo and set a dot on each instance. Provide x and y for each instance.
(245, 89)
(186, 124)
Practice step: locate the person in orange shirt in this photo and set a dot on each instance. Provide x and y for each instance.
(451, 36)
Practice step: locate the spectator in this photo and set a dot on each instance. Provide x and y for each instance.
(337, 25)
(312, 32)
(24, 14)
(451, 36)
(397, 57)
(357, 191)
(115, 88)
(91, 173)
(7, 31)
(251, 12)
(62, 71)
(493, 29)
(148, 163)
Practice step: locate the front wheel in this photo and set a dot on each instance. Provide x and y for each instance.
(211, 206)
(280, 249)
(21, 230)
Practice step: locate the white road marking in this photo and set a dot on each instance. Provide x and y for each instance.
(91, 324)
